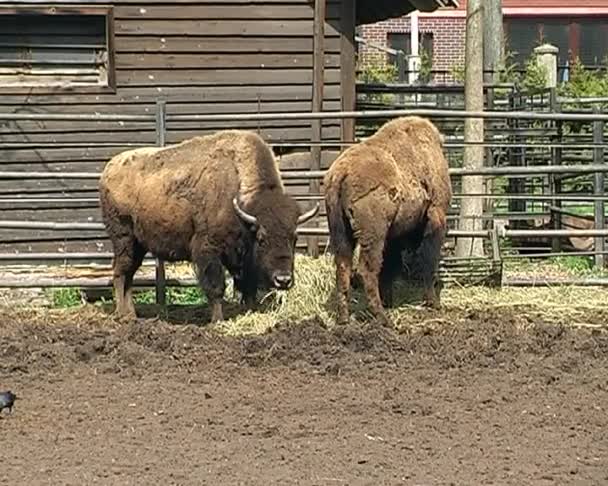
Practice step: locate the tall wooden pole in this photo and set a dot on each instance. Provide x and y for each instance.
(493, 40)
(471, 208)
(318, 76)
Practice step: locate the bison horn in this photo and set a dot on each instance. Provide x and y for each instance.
(248, 218)
(309, 215)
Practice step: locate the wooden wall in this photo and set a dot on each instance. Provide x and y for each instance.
(202, 57)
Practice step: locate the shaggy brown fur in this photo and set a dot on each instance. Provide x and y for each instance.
(388, 193)
(177, 203)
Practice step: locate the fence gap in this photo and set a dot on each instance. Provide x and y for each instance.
(161, 281)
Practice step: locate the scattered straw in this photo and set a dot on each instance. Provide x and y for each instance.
(313, 296)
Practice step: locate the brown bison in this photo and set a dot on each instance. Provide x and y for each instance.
(388, 193)
(216, 201)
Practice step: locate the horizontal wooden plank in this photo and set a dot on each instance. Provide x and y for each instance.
(48, 243)
(54, 166)
(210, 28)
(214, 45)
(241, 11)
(185, 94)
(26, 127)
(220, 61)
(189, 129)
(227, 77)
(50, 155)
(75, 214)
(301, 160)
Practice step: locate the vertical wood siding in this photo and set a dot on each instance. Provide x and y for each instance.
(202, 57)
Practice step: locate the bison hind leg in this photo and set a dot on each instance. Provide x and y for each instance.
(343, 247)
(391, 268)
(430, 254)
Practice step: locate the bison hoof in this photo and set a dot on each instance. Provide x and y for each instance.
(432, 304)
(383, 320)
(125, 315)
(342, 318)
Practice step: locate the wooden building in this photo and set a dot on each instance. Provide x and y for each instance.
(122, 56)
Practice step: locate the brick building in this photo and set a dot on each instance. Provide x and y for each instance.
(578, 31)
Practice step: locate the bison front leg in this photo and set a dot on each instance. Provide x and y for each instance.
(430, 253)
(248, 289)
(212, 280)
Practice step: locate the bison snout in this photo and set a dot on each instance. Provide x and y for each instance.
(282, 281)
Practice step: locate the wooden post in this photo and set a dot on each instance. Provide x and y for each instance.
(598, 190)
(490, 182)
(471, 208)
(401, 73)
(554, 181)
(493, 40)
(347, 69)
(161, 282)
(318, 59)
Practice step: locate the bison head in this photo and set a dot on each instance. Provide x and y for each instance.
(273, 221)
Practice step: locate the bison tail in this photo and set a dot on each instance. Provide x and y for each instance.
(340, 231)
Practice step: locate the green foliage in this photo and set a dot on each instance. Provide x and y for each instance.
(584, 83)
(378, 73)
(457, 73)
(426, 67)
(175, 296)
(64, 298)
(535, 76)
(509, 72)
(575, 264)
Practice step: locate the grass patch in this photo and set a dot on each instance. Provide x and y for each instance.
(558, 266)
(65, 298)
(175, 296)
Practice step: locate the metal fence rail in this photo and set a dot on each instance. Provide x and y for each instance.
(319, 174)
(160, 120)
(312, 115)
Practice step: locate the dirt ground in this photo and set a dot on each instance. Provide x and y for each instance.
(488, 398)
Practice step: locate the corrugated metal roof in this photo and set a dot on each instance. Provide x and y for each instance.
(370, 11)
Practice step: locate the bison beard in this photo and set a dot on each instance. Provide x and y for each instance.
(216, 200)
(389, 193)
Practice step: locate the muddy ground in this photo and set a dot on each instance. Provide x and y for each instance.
(493, 399)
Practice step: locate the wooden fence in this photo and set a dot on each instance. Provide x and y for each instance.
(30, 217)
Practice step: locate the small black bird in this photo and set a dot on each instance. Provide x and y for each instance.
(7, 399)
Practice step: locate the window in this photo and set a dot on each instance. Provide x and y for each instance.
(50, 47)
(574, 37)
(402, 42)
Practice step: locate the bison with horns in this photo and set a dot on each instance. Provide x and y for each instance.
(388, 193)
(216, 200)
